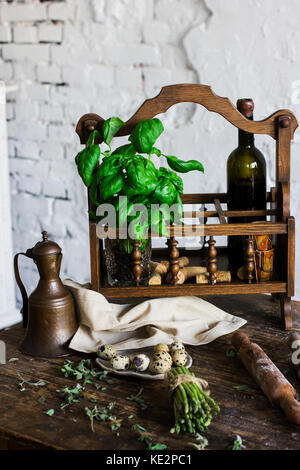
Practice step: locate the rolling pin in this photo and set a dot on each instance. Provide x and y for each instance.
(272, 382)
(294, 344)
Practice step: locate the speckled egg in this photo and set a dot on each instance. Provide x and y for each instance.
(162, 355)
(159, 366)
(140, 362)
(179, 357)
(107, 351)
(161, 347)
(120, 362)
(176, 346)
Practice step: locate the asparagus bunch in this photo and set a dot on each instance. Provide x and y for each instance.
(193, 408)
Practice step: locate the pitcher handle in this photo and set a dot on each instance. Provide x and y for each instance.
(22, 289)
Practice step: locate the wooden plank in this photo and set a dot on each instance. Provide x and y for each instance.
(94, 256)
(23, 423)
(216, 230)
(194, 289)
(220, 211)
(208, 198)
(210, 214)
(291, 257)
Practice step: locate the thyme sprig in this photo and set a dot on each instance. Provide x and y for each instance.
(103, 414)
(138, 398)
(70, 395)
(145, 437)
(22, 388)
(237, 444)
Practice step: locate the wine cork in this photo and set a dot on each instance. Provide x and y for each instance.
(160, 269)
(186, 273)
(221, 276)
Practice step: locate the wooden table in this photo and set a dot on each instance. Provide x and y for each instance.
(23, 423)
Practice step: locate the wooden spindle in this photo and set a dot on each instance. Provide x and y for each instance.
(249, 257)
(173, 257)
(212, 260)
(136, 256)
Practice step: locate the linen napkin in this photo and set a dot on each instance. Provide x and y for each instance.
(189, 319)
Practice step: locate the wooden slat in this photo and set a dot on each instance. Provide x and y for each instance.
(193, 289)
(216, 230)
(94, 257)
(291, 257)
(209, 214)
(208, 198)
(220, 211)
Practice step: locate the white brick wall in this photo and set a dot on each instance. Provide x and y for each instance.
(70, 57)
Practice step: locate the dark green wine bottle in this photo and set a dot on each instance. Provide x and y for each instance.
(246, 182)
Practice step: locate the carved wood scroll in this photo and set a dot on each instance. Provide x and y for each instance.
(190, 93)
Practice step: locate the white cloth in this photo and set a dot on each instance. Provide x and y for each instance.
(191, 320)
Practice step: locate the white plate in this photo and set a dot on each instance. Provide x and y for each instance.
(104, 364)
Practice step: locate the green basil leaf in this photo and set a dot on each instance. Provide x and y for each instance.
(124, 208)
(145, 134)
(156, 151)
(111, 185)
(183, 166)
(139, 226)
(179, 207)
(141, 176)
(92, 137)
(170, 175)
(160, 227)
(110, 128)
(165, 192)
(110, 166)
(86, 161)
(93, 189)
(127, 149)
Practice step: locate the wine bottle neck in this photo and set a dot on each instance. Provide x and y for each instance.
(246, 139)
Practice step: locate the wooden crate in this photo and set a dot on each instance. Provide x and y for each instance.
(281, 126)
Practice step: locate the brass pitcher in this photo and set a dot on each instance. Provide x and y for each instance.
(49, 312)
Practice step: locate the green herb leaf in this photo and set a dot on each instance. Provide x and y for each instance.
(230, 353)
(237, 444)
(86, 160)
(141, 176)
(110, 127)
(145, 134)
(241, 387)
(157, 447)
(111, 185)
(49, 412)
(165, 192)
(127, 149)
(156, 151)
(183, 166)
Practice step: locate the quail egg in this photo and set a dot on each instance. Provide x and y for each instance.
(162, 355)
(140, 362)
(161, 347)
(179, 357)
(107, 351)
(159, 366)
(176, 345)
(120, 362)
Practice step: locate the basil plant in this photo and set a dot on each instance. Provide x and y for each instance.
(128, 171)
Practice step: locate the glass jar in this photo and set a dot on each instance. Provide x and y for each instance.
(119, 262)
